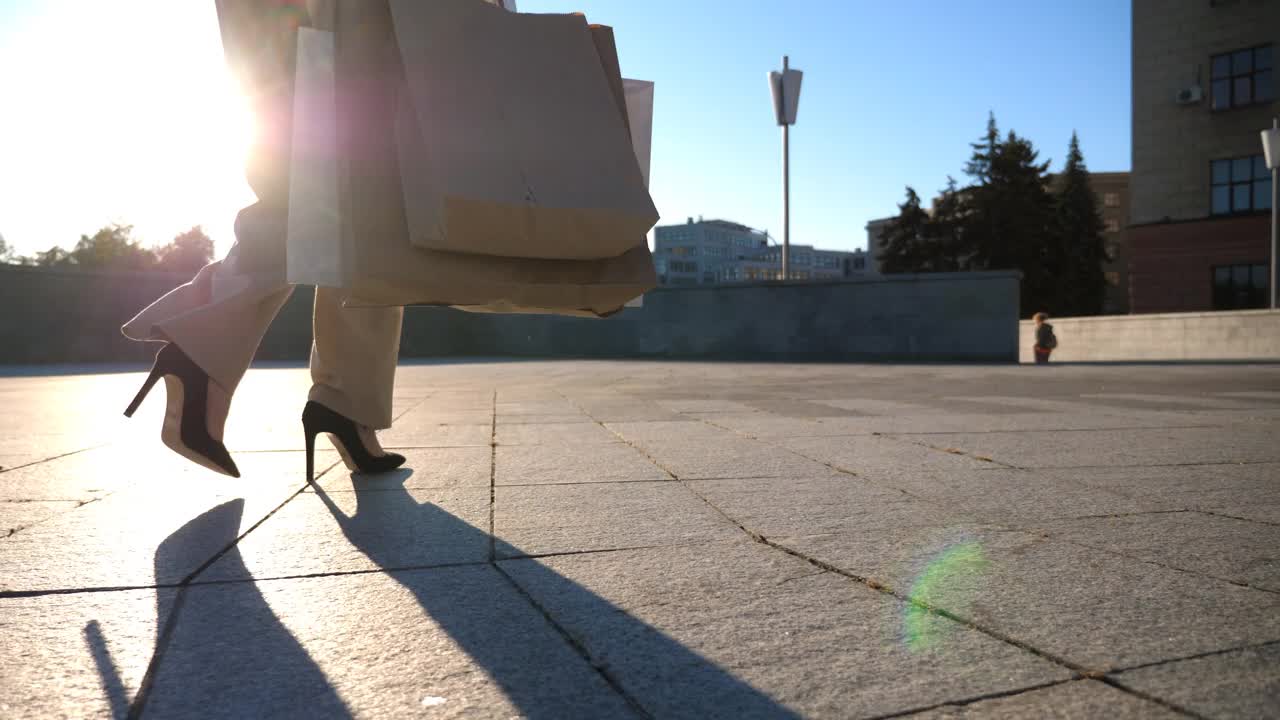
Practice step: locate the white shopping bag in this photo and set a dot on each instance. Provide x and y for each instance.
(313, 241)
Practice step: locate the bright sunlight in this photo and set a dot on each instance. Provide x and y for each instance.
(120, 112)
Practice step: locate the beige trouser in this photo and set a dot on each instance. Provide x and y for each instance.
(218, 319)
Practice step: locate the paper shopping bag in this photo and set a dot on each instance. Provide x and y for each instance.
(373, 260)
(513, 136)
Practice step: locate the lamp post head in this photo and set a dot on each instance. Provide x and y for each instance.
(785, 87)
(1271, 145)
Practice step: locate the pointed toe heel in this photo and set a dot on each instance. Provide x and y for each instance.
(345, 434)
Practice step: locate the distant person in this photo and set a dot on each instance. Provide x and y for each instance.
(1046, 341)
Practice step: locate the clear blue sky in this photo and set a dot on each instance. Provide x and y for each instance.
(893, 94)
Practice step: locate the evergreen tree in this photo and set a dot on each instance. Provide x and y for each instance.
(902, 237)
(1079, 248)
(1009, 214)
(979, 165)
(945, 232)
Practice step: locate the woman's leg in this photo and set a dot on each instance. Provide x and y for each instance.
(353, 358)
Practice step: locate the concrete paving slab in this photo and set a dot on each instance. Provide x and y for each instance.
(1013, 497)
(559, 419)
(767, 426)
(580, 433)
(561, 464)
(75, 477)
(558, 406)
(429, 434)
(645, 434)
(1097, 610)
(809, 506)
(1184, 487)
(697, 459)
(17, 516)
(880, 456)
(1264, 513)
(533, 520)
(705, 405)
(740, 630)
(1238, 684)
(146, 536)
(1078, 699)
(1237, 550)
(430, 468)
(81, 655)
(332, 532)
(1090, 606)
(450, 642)
(1165, 446)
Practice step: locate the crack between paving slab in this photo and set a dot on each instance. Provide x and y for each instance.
(1166, 566)
(1196, 656)
(1077, 670)
(139, 703)
(1055, 431)
(1234, 517)
(824, 463)
(950, 451)
(493, 477)
(974, 699)
(601, 668)
(51, 459)
(79, 504)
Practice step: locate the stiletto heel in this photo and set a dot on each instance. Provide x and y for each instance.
(186, 423)
(311, 452)
(155, 375)
(317, 418)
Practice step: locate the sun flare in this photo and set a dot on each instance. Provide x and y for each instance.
(128, 116)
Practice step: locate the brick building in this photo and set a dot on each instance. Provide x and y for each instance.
(1203, 89)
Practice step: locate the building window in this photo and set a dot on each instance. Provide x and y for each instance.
(1113, 225)
(859, 263)
(1242, 78)
(1240, 287)
(1240, 185)
(1111, 199)
(677, 266)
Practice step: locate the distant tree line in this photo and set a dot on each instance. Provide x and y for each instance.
(114, 248)
(1010, 217)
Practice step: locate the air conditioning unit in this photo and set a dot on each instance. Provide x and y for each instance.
(1190, 96)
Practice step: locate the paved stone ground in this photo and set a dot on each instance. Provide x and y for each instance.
(592, 539)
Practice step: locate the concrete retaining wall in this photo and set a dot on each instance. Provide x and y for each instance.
(74, 317)
(1236, 335)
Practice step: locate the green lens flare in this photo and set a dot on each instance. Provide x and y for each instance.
(949, 581)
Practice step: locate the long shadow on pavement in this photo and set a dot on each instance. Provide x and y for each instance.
(686, 684)
(231, 659)
(222, 652)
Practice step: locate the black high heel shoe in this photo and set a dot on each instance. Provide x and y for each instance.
(186, 418)
(317, 418)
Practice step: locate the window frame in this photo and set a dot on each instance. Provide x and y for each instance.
(1256, 177)
(1257, 295)
(1232, 76)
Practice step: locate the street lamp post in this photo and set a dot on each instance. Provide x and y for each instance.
(1271, 148)
(785, 87)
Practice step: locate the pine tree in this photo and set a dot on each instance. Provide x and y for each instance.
(945, 232)
(979, 165)
(902, 237)
(1079, 250)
